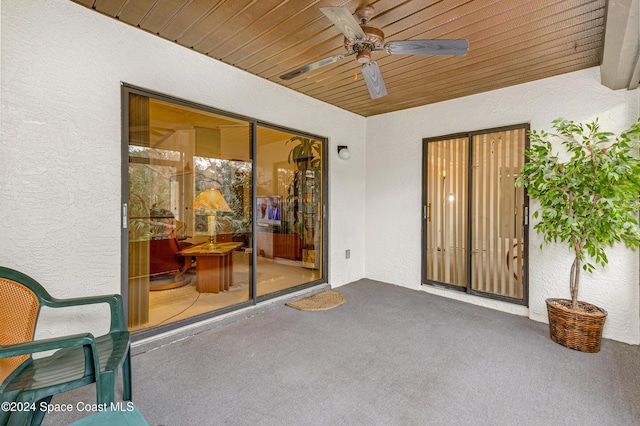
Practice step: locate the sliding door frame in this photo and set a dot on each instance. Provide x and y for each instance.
(324, 218)
(425, 184)
(127, 89)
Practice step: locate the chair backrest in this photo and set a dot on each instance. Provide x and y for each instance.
(19, 308)
(174, 244)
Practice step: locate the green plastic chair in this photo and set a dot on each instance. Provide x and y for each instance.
(30, 383)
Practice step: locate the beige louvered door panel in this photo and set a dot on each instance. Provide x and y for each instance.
(497, 209)
(446, 211)
(474, 216)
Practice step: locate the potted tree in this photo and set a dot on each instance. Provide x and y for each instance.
(304, 196)
(589, 198)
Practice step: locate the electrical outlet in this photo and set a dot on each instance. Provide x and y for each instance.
(347, 254)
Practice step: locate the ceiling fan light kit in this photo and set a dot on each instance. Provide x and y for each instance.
(361, 40)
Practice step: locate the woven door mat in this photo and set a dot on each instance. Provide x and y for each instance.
(319, 302)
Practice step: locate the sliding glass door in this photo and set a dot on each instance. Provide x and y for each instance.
(446, 211)
(497, 214)
(289, 210)
(219, 212)
(474, 217)
(189, 211)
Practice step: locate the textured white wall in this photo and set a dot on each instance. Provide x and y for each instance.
(61, 70)
(393, 198)
(62, 66)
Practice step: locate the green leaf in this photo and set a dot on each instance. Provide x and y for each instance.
(589, 199)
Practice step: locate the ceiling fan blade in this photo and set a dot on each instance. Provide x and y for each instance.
(312, 66)
(373, 78)
(344, 20)
(427, 47)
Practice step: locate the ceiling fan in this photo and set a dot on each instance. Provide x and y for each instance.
(361, 39)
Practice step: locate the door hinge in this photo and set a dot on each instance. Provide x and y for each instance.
(125, 218)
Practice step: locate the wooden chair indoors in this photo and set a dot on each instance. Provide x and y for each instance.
(79, 359)
(165, 259)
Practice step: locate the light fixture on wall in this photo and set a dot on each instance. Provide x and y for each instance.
(343, 152)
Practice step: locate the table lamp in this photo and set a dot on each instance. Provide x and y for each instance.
(212, 202)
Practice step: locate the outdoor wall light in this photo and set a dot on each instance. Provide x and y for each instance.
(343, 152)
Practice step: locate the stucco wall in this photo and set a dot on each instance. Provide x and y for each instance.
(62, 67)
(393, 199)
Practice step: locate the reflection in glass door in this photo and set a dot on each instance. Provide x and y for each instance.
(189, 213)
(289, 210)
(219, 212)
(474, 216)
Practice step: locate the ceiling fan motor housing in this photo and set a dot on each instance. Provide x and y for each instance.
(363, 48)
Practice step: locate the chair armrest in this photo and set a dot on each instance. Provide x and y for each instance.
(114, 301)
(185, 245)
(91, 360)
(43, 345)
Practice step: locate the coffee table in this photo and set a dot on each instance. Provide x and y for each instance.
(214, 265)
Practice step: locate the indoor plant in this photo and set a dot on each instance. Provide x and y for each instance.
(304, 194)
(588, 198)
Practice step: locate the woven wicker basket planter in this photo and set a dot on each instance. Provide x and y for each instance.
(580, 330)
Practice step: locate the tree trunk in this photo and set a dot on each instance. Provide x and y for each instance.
(574, 282)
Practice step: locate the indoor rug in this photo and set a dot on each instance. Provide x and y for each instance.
(319, 302)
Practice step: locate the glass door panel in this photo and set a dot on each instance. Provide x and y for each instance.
(497, 214)
(189, 212)
(447, 212)
(474, 216)
(289, 200)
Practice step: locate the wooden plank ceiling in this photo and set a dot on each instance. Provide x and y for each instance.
(510, 42)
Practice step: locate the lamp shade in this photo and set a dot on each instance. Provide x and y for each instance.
(211, 199)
